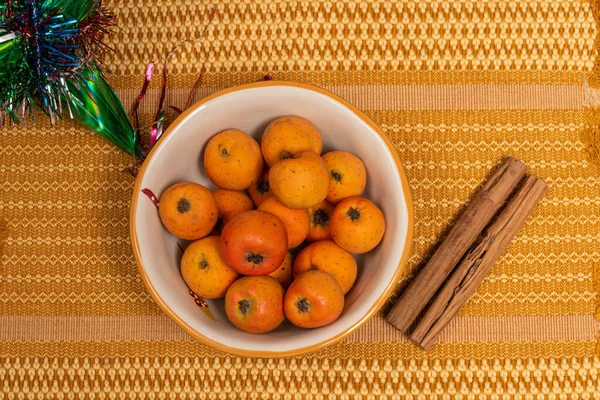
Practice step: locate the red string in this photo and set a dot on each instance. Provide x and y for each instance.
(187, 103)
(161, 102)
(149, 71)
(198, 300)
(151, 196)
(176, 109)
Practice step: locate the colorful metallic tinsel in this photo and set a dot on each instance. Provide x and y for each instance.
(47, 51)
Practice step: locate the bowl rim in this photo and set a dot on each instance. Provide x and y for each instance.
(260, 353)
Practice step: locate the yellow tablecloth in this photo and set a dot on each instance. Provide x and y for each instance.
(457, 85)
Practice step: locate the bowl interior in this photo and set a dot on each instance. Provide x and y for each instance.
(178, 157)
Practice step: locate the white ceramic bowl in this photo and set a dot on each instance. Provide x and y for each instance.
(178, 157)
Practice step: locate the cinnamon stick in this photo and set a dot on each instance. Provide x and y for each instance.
(468, 227)
(472, 270)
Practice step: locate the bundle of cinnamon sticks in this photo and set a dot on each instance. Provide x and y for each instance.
(472, 246)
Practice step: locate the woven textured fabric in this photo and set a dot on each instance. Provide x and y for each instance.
(457, 85)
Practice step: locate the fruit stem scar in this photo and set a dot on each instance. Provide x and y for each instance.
(337, 175)
(285, 154)
(224, 152)
(353, 213)
(263, 187)
(183, 205)
(203, 262)
(303, 305)
(320, 217)
(244, 306)
(255, 258)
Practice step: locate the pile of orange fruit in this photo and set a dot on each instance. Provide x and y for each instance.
(273, 197)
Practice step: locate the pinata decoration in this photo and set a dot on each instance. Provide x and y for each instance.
(48, 51)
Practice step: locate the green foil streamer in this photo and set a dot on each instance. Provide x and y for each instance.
(95, 104)
(78, 9)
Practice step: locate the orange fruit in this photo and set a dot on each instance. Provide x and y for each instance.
(284, 274)
(254, 243)
(232, 160)
(314, 299)
(229, 204)
(255, 304)
(320, 214)
(357, 225)
(300, 181)
(260, 190)
(328, 257)
(287, 136)
(188, 210)
(204, 270)
(347, 175)
(296, 221)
